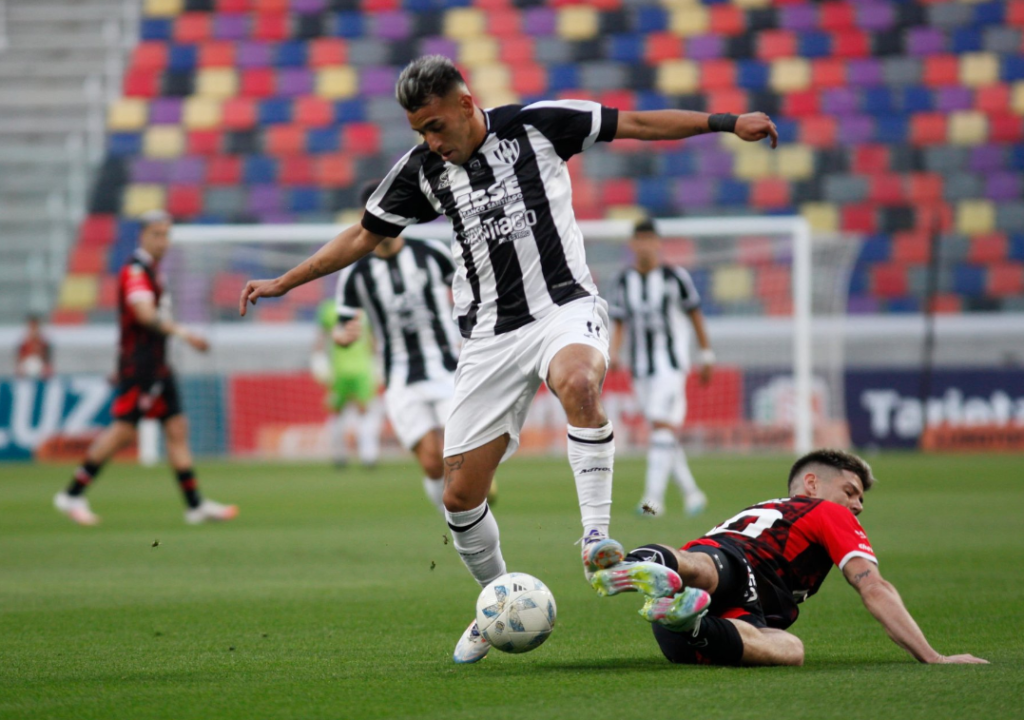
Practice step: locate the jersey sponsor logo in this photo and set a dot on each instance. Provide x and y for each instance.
(508, 151)
(475, 202)
(503, 229)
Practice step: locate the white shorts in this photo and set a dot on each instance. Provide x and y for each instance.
(414, 410)
(662, 397)
(498, 376)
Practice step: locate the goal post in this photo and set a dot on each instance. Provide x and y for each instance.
(774, 298)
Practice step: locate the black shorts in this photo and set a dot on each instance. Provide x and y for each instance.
(736, 596)
(153, 399)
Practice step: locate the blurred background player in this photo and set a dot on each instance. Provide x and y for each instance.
(146, 387)
(347, 371)
(34, 353)
(403, 286)
(649, 301)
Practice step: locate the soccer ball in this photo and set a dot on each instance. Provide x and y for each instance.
(516, 613)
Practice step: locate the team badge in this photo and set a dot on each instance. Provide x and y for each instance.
(445, 181)
(508, 151)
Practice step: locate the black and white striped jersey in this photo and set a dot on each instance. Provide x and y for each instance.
(516, 243)
(406, 299)
(654, 305)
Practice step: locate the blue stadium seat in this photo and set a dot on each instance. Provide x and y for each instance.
(182, 57)
(563, 77)
(990, 13)
(156, 29)
(124, 144)
(674, 164)
(654, 194)
(965, 40)
(879, 101)
(651, 100)
(275, 111)
(813, 44)
(650, 19)
(917, 99)
(733, 192)
(1015, 249)
(876, 248)
(304, 199)
(1013, 67)
(788, 129)
(323, 140)
(891, 129)
(969, 280)
(259, 170)
(347, 24)
(291, 54)
(751, 74)
(349, 111)
(626, 48)
(903, 305)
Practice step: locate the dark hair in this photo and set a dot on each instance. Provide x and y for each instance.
(424, 78)
(838, 460)
(367, 191)
(644, 226)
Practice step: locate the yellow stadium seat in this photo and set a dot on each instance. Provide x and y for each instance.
(633, 213)
(794, 162)
(578, 22)
(1017, 97)
(142, 198)
(79, 292)
(975, 216)
(689, 21)
(127, 114)
(678, 77)
(493, 76)
(790, 75)
(464, 23)
(478, 51)
(732, 283)
(217, 82)
(746, 4)
(978, 69)
(350, 216)
(753, 162)
(823, 217)
(489, 97)
(163, 141)
(337, 82)
(968, 127)
(201, 113)
(675, 4)
(163, 8)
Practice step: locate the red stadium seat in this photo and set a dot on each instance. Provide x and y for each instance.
(87, 260)
(925, 188)
(218, 53)
(717, 74)
(193, 27)
(239, 113)
(271, 7)
(733, 100)
(380, 5)
(97, 230)
(828, 73)
(282, 140)
(800, 104)
(234, 6)
(859, 217)
(940, 70)
(992, 99)
(770, 193)
(911, 247)
(851, 44)
(492, 4)
(257, 82)
(774, 44)
(928, 128)
(836, 16)
(203, 142)
(225, 289)
(529, 79)
(334, 170)
(109, 287)
(727, 20)
(1005, 280)
(621, 99)
(870, 159)
(149, 55)
(313, 111)
(936, 216)
(661, 46)
(947, 304)
(142, 83)
(361, 138)
(819, 131)
(327, 51)
(515, 50)
(889, 280)
(503, 23)
(773, 281)
(184, 201)
(988, 248)
(620, 191)
(1015, 13)
(1005, 128)
(887, 189)
(78, 317)
(270, 26)
(297, 170)
(224, 170)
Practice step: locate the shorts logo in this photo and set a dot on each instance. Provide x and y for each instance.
(508, 151)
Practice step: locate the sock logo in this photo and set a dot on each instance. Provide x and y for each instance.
(596, 469)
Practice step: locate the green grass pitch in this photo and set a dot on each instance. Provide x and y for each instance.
(335, 595)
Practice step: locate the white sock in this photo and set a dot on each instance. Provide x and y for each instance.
(660, 454)
(336, 433)
(368, 431)
(592, 459)
(475, 536)
(435, 491)
(681, 470)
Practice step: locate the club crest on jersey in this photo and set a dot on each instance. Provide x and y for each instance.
(444, 181)
(508, 151)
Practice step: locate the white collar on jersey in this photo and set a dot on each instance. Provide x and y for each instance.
(144, 257)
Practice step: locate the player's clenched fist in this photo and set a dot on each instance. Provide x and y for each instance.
(255, 289)
(756, 126)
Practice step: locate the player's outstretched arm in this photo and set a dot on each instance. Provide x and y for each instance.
(882, 601)
(347, 246)
(679, 124)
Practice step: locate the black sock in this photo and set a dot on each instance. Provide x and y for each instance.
(83, 477)
(718, 640)
(189, 487)
(654, 554)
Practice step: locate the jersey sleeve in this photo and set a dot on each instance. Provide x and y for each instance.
(617, 299)
(840, 533)
(689, 298)
(137, 284)
(347, 301)
(443, 257)
(572, 126)
(398, 201)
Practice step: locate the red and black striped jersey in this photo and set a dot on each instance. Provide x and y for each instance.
(791, 544)
(143, 352)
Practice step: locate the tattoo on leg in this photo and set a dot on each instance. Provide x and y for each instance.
(451, 466)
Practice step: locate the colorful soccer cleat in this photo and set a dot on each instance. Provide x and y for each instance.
(681, 613)
(600, 552)
(210, 511)
(472, 646)
(652, 579)
(75, 507)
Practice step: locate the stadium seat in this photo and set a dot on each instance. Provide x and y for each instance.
(217, 54)
(184, 201)
(690, 21)
(163, 8)
(975, 217)
(678, 77)
(78, 292)
(141, 83)
(732, 283)
(192, 27)
(1005, 280)
(889, 280)
(257, 82)
(239, 113)
(578, 22)
(334, 170)
(139, 199)
(217, 82)
(281, 140)
(201, 113)
(127, 114)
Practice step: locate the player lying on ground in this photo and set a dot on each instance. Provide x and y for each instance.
(525, 302)
(727, 598)
(146, 387)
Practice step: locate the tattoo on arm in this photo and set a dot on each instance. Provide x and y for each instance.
(859, 577)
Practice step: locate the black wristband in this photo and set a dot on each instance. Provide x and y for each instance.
(722, 122)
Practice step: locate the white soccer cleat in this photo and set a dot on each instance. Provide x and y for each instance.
(696, 503)
(210, 511)
(600, 552)
(651, 579)
(76, 508)
(472, 646)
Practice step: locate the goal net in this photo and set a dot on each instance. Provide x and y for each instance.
(773, 296)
